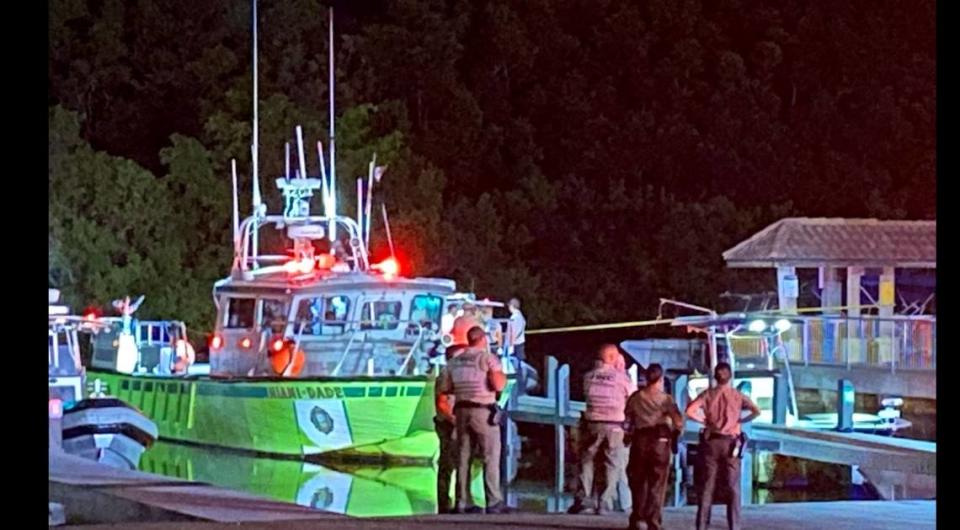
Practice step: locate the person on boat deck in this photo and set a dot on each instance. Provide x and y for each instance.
(446, 322)
(606, 388)
(474, 377)
(494, 333)
(720, 410)
(464, 323)
(420, 314)
(516, 338)
(655, 419)
(445, 424)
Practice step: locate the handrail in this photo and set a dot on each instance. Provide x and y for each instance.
(358, 331)
(242, 257)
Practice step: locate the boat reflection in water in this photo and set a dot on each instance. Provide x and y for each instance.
(361, 491)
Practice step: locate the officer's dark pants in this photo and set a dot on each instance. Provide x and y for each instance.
(716, 454)
(474, 429)
(606, 438)
(446, 463)
(647, 471)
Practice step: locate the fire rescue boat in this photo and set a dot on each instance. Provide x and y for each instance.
(316, 349)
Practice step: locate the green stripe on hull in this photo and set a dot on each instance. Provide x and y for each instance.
(390, 419)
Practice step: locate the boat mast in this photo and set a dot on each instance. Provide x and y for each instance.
(255, 147)
(332, 187)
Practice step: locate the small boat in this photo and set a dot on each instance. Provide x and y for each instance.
(97, 427)
(107, 430)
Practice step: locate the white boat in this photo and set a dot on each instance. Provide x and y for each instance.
(97, 427)
(107, 430)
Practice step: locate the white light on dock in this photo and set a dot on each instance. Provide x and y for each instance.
(782, 325)
(757, 326)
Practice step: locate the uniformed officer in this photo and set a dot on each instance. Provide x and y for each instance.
(655, 419)
(606, 388)
(720, 410)
(474, 377)
(445, 425)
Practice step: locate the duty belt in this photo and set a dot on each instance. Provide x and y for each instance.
(605, 422)
(471, 405)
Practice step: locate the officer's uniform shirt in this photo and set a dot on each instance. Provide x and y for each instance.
(607, 389)
(650, 409)
(722, 406)
(466, 376)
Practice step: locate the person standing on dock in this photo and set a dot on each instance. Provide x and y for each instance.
(606, 388)
(516, 339)
(655, 419)
(474, 377)
(720, 410)
(445, 424)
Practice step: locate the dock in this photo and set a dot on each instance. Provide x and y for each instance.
(898, 467)
(98, 497)
(844, 515)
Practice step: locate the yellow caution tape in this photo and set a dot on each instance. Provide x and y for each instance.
(638, 323)
(666, 321)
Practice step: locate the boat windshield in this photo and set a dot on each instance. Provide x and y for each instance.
(426, 310)
(326, 315)
(381, 314)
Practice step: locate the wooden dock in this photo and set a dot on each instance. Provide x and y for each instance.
(96, 496)
(898, 467)
(845, 515)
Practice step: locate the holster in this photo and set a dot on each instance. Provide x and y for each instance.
(496, 418)
(741, 444)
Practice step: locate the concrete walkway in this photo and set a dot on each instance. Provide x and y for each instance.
(847, 515)
(95, 496)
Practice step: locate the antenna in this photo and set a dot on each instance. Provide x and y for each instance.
(325, 188)
(287, 173)
(256, 141)
(236, 208)
(386, 223)
(302, 158)
(332, 188)
(360, 204)
(367, 216)
(256, 121)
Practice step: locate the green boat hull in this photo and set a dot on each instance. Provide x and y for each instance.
(370, 419)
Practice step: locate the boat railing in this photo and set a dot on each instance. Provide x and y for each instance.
(247, 255)
(148, 332)
(890, 343)
(58, 352)
(360, 337)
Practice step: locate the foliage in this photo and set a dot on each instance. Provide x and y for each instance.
(588, 156)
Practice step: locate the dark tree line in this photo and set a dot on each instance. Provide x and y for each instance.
(589, 156)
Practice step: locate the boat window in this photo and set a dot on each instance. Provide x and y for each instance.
(240, 312)
(380, 315)
(323, 316)
(425, 309)
(274, 315)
